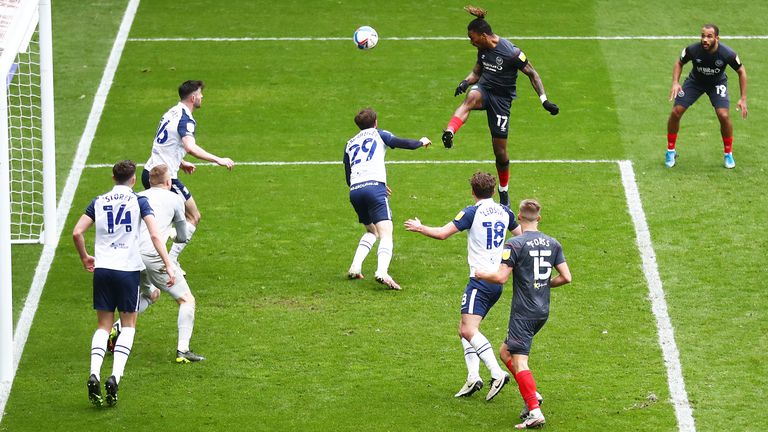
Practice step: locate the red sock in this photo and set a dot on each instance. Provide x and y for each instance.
(527, 388)
(503, 175)
(454, 124)
(509, 366)
(671, 140)
(728, 144)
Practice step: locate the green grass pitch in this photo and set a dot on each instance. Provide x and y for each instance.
(292, 344)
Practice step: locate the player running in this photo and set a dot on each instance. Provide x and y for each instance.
(487, 224)
(708, 76)
(175, 137)
(368, 191)
(117, 216)
(529, 258)
(492, 87)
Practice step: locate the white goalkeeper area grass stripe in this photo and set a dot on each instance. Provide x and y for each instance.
(67, 195)
(666, 332)
(433, 38)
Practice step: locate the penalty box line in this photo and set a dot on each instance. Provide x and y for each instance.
(665, 330)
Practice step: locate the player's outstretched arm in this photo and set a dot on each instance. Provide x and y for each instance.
(440, 233)
(498, 277)
(538, 86)
(563, 278)
(190, 145)
(472, 78)
(81, 227)
(154, 234)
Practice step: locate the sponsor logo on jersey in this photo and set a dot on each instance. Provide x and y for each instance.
(499, 61)
(708, 70)
(718, 63)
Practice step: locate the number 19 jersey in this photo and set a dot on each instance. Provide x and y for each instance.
(167, 147)
(488, 223)
(117, 216)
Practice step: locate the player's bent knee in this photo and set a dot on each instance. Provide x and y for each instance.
(187, 298)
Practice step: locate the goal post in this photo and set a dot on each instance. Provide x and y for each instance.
(27, 150)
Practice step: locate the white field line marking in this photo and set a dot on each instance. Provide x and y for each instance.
(404, 162)
(65, 203)
(679, 396)
(430, 38)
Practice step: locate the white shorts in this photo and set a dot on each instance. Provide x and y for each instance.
(154, 275)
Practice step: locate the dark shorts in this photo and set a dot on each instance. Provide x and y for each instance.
(497, 109)
(479, 297)
(370, 202)
(520, 334)
(718, 93)
(176, 185)
(115, 289)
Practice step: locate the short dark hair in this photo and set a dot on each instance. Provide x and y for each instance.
(479, 26)
(158, 174)
(713, 27)
(483, 184)
(124, 171)
(366, 118)
(188, 87)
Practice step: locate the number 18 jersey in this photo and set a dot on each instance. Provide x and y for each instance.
(488, 223)
(117, 216)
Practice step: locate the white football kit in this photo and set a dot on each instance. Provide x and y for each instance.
(366, 152)
(117, 216)
(167, 147)
(487, 222)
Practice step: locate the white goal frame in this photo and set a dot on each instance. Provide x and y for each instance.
(19, 19)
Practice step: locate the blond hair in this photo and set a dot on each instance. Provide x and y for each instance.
(158, 175)
(530, 210)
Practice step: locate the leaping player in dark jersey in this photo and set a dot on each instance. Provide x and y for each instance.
(493, 87)
(707, 76)
(529, 258)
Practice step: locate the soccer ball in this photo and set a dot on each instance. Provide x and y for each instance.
(366, 37)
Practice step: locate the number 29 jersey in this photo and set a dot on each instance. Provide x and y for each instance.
(488, 223)
(117, 216)
(167, 147)
(365, 152)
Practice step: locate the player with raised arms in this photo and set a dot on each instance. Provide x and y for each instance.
(486, 223)
(529, 258)
(366, 177)
(708, 76)
(492, 85)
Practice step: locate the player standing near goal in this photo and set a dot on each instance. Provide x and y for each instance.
(175, 137)
(368, 191)
(708, 76)
(169, 214)
(492, 87)
(488, 224)
(115, 265)
(529, 258)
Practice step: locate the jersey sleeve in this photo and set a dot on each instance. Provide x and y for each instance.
(510, 254)
(186, 126)
(144, 208)
(90, 211)
(685, 55)
(463, 220)
(347, 168)
(512, 221)
(735, 62)
(559, 257)
(386, 136)
(392, 141)
(519, 60)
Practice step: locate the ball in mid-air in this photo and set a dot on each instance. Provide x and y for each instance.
(366, 37)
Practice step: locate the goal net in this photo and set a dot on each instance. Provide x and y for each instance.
(27, 156)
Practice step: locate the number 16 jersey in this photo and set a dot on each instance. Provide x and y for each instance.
(167, 147)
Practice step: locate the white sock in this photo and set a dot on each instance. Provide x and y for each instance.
(144, 303)
(385, 256)
(176, 248)
(98, 348)
(473, 361)
(186, 323)
(487, 355)
(122, 351)
(503, 188)
(363, 247)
